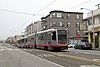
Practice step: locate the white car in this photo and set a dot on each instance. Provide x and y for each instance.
(71, 46)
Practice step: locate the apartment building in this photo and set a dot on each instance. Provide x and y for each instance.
(96, 26)
(33, 28)
(64, 20)
(12, 39)
(29, 29)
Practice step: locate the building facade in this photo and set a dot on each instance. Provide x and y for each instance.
(12, 39)
(64, 20)
(96, 26)
(33, 28)
(29, 29)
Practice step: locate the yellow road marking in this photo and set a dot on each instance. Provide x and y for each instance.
(76, 57)
(71, 56)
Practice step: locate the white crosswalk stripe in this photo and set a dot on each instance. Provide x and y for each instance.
(8, 49)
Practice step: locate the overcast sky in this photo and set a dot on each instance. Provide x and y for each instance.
(14, 23)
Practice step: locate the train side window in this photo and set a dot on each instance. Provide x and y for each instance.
(26, 40)
(54, 35)
(49, 36)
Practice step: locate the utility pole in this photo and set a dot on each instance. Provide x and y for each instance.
(92, 27)
(98, 5)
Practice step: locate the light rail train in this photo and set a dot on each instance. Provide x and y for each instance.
(51, 39)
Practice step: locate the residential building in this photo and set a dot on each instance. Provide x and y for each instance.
(33, 28)
(37, 26)
(29, 29)
(64, 20)
(12, 39)
(96, 26)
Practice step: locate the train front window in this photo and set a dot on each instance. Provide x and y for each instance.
(62, 38)
(62, 35)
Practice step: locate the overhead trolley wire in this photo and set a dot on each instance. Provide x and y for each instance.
(15, 12)
(78, 5)
(34, 14)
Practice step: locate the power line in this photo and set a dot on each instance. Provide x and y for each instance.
(78, 5)
(27, 13)
(16, 12)
(19, 12)
(33, 14)
(45, 6)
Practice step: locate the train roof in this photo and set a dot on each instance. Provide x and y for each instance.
(38, 33)
(22, 38)
(42, 32)
(46, 31)
(31, 35)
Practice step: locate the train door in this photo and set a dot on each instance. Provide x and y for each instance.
(54, 38)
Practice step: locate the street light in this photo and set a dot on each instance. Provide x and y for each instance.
(93, 26)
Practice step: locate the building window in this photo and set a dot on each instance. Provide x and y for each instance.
(54, 24)
(90, 21)
(99, 19)
(26, 29)
(50, 24)
(77, 16)
(50, 15)
(44, 27)
(77, 24)
(60, 24)
(59, 15)
(68, 16)
(53, 15)
(68, 24)
(44, 20)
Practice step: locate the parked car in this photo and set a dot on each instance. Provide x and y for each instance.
(83, 45)
(71, 46)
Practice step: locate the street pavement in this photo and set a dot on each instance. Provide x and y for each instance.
(68, 58)
(92, 52)
(13, 57)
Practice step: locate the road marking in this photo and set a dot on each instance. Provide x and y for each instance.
(45, 55)
(38, 50)
(44, 59)
(71, 56)
(80, 58)
(96, 60)
(8, 49)
(2, 49)
(89, 66)
(24, 49)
